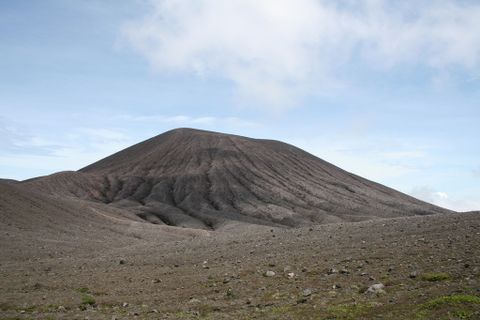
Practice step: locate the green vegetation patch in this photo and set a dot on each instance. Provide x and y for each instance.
(8, 307)
(299, 311)
(350, 311)
(88, 300)
(280, 310)
(456, 306)
(83, 290)
(435, 276)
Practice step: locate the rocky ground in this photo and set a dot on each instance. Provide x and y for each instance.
(425, 267)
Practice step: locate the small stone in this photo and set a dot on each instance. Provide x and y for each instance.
(336, 286)
(269, 273)
(230, 293)
(413, 275)
(377, 288)
(291, 275)
(124, 304)
(332, 271)
(344, 271)
(307, 292)
(194, 300)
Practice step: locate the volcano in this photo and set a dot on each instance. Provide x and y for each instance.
(207, 180)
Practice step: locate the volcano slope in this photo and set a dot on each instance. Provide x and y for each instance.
(207, 180)
(186, 225)
(33, 223)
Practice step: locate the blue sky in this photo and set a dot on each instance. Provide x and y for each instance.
(385, 89)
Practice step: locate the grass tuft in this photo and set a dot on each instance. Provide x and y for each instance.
(454, 299)
(435, 276)
(463, 307)
(350, 311)
(88, 300)
(83, 290)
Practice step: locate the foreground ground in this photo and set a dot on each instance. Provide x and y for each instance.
(429, 266)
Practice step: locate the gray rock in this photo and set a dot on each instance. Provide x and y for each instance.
(307, 292)
(332, 271)
(344, 271)
(377, 288)
(269, 273)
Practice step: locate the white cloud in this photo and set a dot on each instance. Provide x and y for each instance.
(182, 120)
(277, 51)
(23, 154)
(103, 135)
(476, 172)
(444, 200)
(373, 159)
(411, 154)
(178, 119)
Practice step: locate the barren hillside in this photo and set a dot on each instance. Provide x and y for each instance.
(206, 180)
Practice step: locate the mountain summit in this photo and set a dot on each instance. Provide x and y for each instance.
(205, 180)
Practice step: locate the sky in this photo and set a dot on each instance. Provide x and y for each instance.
(389, 90)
